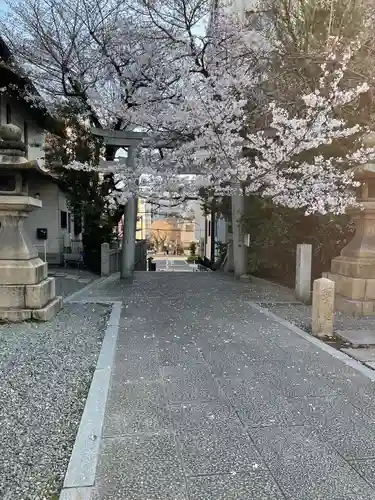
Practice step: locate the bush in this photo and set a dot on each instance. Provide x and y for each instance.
(275, 232)
(193, 248)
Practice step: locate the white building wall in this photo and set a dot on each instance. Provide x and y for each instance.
(48, 217)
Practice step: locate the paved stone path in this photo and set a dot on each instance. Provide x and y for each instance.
(212, 400)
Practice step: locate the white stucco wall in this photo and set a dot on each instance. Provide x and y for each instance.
(54, 201)
(48, 217)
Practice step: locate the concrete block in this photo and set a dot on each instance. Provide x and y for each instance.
(352, 288)
(354, 307)
(29, 272)
(323, 307)
(12, 296)
(14, 315)
(370, 289)
(357, 337)
(49, 311)
(354, 267)
(246, 278)
(303, 272)
(362, 354)
(37, 296)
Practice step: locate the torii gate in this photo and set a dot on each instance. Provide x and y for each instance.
(129, 140)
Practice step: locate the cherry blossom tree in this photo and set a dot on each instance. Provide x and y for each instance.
(196, 84)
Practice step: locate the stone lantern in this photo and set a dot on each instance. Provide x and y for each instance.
(26, 291)
(354, 270)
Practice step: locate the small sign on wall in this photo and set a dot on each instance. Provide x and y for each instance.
(41, 233)
(247, 240)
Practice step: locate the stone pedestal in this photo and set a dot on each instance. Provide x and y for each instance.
(26, 292)
(323, 307)
(354, 270)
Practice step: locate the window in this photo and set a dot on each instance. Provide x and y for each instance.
(63, 219)
(189, 228)
(209, 228)
(7, 183)
(69, 223)
(25, 133)
(8, 113)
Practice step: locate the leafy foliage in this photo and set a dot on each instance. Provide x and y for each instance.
(88, 190)
(276, 231)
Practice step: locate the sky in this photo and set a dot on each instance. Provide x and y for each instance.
(3, 7)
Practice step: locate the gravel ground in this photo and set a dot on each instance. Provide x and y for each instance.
(300, 315)
(45, 374)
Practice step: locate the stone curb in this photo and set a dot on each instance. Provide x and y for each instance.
(80, 475)
(345, 358)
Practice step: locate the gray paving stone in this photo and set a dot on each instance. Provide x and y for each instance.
(329, 411)
(136, 365)
(221, 449)
(296, 380)
(176, 355)
(257, 486)
(357, 337)
(270, 375)
(189, 416)
(305, 468)
(361, 354)
(259, 403)
(355, 440)
(366, 468)
(135, 408)
(190, 383)
(140, 468)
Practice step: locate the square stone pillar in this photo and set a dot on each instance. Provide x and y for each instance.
(303, 272)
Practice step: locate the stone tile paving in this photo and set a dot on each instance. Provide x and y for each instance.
(212, 400)
(69, 280)
(45, 374)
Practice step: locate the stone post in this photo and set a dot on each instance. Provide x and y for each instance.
(323, 307)
(130, 217)
(239, 248)
(128, 245)
(303, 272)
(104, 259)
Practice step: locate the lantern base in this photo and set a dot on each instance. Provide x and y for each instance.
(45, 313)
(354, 293)
(24, 302)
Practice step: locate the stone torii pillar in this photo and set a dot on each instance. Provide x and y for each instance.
(129, 232)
